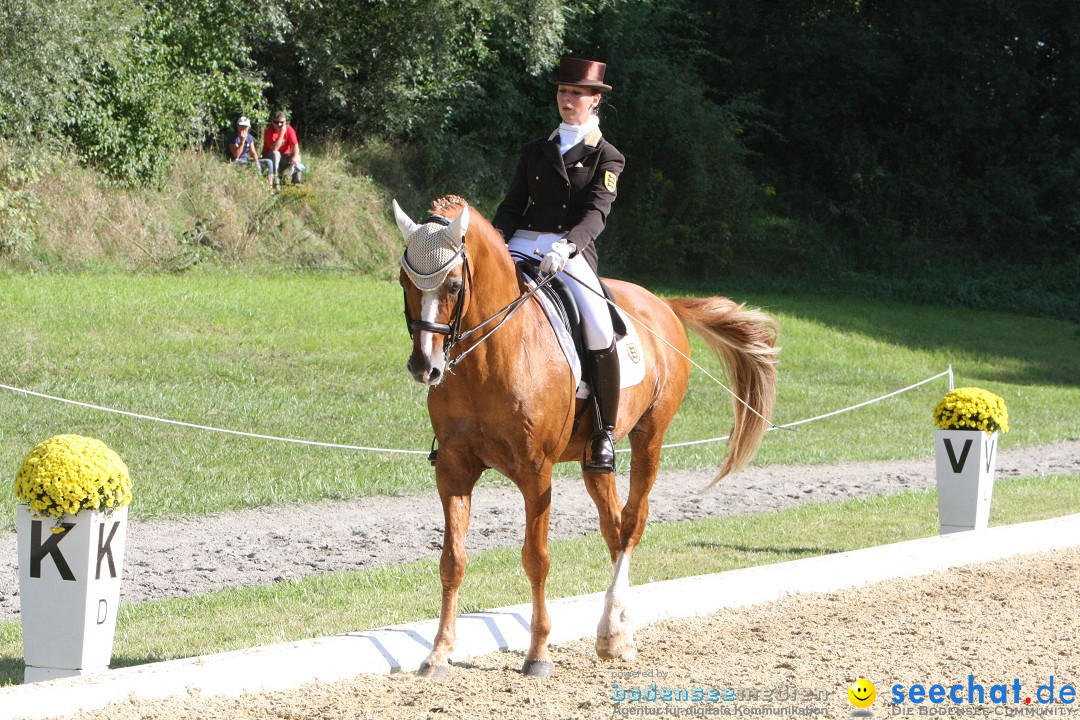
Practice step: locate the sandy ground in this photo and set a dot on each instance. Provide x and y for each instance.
(251, 547)
(1013, 620)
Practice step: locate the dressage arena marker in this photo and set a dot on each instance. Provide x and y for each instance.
(139, 416)
(402, 647)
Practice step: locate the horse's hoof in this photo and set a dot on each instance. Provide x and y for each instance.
(433, 672)
(537, 668)
(615, 648)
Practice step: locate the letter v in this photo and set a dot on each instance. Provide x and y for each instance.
(991, 443)
(957, 465)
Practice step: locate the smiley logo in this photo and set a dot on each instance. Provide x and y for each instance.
(862, 693)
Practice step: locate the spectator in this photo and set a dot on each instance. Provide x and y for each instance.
(241, 146)
(281, 150)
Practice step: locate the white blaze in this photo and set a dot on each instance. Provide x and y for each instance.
(429, 310)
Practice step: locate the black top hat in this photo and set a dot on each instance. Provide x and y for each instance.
(582, 73)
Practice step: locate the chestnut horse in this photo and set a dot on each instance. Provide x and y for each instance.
(511, 404)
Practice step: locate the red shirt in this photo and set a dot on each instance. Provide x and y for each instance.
(271, 136)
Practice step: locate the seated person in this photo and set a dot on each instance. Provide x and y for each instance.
(241, 147)
(281, 150)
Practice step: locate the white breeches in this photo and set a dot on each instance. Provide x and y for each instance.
(585, 287)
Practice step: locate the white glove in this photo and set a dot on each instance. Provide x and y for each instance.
(556, 259)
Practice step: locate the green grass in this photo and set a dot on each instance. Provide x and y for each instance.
(321, 357)
(303, 356)
(342, 602)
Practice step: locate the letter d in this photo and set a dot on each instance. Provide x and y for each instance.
(1049, 688)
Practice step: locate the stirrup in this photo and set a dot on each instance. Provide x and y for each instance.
(600, 453)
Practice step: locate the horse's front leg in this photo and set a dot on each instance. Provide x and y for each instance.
(456, 496)
(534, 556)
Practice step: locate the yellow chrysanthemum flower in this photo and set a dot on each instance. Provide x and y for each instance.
(972, 408)
(69, 473)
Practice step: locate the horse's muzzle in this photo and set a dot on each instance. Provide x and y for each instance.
(423, 372)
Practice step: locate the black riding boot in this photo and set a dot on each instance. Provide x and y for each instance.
(600, 451)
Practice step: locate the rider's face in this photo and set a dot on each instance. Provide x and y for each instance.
(576, 103)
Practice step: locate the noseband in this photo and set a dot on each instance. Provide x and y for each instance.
(452, 329)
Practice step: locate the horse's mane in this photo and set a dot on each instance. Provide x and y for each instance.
(450, 206)
(445, 205)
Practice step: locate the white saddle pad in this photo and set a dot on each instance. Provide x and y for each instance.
(631, 354)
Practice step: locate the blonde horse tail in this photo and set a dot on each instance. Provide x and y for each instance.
(745, 341)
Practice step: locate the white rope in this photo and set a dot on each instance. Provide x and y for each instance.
(948, 373)
(870, 402)
(786, 426)
(207, 427)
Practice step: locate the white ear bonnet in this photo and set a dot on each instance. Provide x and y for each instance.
(433, 249)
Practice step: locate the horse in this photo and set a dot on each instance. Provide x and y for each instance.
(506, 400)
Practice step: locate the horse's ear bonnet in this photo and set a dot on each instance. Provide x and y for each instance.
(433, 249)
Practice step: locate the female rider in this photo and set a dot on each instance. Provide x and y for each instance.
(557, 204)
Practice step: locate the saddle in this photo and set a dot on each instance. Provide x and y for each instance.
(558, 293)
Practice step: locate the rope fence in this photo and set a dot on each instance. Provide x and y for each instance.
(139, 416)
(787, 426)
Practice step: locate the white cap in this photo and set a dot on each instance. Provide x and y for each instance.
(243, 122)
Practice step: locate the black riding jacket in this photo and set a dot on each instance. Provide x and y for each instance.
(569, 193)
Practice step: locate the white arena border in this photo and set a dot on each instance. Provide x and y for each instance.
(402, 647)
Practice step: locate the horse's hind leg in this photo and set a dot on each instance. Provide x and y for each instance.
(605, 496)
(615, 633)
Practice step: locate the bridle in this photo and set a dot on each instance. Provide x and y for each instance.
(452, 330)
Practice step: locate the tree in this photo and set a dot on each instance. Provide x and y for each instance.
(46, 50)
(915, 129)
(185, 75)
(402, 69)
(686, 192)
